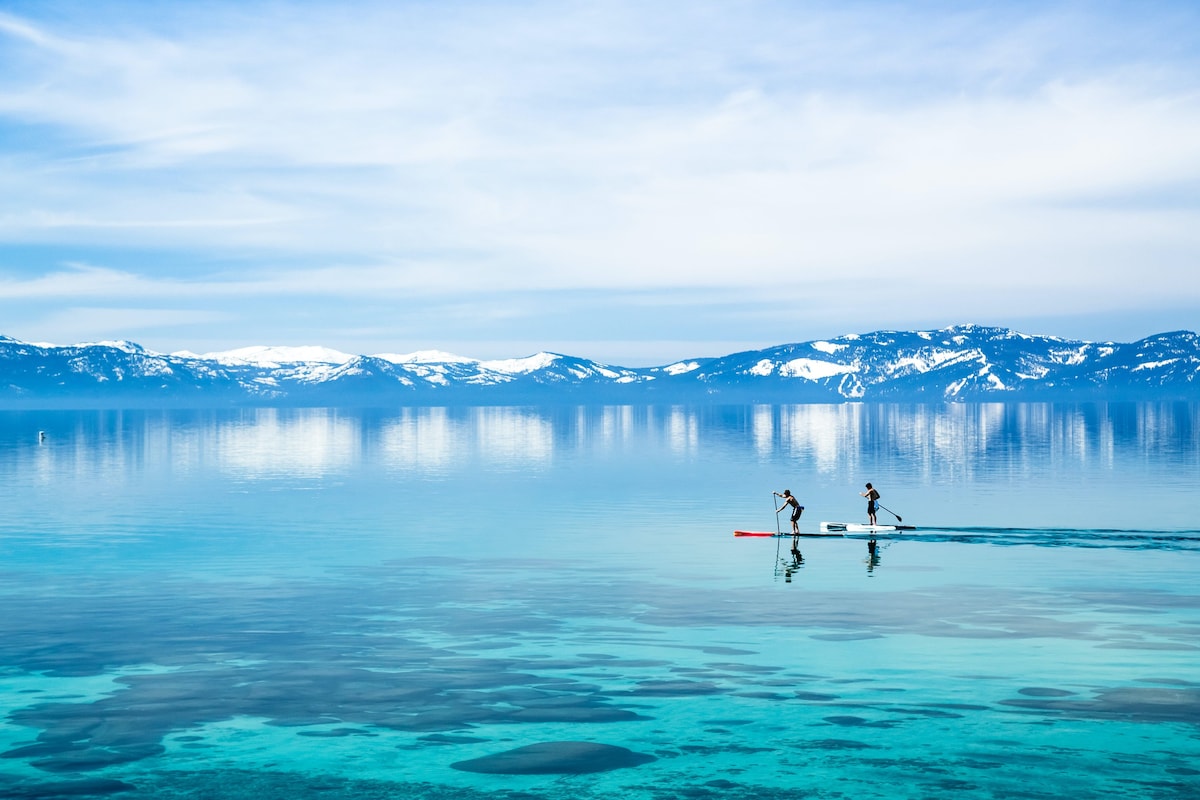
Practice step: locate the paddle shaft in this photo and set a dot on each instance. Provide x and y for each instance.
(893, 513)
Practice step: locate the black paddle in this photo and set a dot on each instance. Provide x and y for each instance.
(778, 532)
(893, 513)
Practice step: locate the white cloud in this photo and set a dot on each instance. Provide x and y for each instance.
(468, 148)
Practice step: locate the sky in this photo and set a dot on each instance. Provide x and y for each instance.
(633, 182)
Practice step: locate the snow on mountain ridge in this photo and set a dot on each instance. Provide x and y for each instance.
(123, 345)
(681, 367)
(520, 366)
(1155, 364)
(276, 356)
(813, 369)
(763, 368)
(426, 357)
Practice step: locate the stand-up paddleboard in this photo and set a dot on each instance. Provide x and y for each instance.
(774, 535)
(854, 527)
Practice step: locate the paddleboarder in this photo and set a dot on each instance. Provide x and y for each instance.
(797, 509)
(872, 495)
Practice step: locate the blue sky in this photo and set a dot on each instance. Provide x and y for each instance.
(627, 181)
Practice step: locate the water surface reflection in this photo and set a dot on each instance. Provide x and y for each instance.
(955, 440)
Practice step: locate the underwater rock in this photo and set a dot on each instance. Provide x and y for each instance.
(859, 722)
(660, 688)
(1042, 691)
(447, 738)
(96, 758)
(1132, 703)
(837, 744)
(90, 787)
(555, 758)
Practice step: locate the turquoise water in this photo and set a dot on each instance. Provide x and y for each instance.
(533, 603)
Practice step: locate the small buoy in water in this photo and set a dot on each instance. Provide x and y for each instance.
(41, 436)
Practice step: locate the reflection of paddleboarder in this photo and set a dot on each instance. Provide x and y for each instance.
(797, 509)
(790, 568)
(871, 496)
(872, 555)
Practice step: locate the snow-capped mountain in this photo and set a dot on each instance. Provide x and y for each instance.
(962, 363)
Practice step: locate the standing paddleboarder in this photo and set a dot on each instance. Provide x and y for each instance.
(797, 509)
(872, 495)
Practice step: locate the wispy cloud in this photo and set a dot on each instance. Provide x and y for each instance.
(801, 150)
(87, 323)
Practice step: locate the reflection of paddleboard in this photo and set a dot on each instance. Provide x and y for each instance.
(786, 535)
(854, 527)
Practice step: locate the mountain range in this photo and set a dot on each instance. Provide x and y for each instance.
(963, 363)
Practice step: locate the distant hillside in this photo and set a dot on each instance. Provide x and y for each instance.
(964, 363)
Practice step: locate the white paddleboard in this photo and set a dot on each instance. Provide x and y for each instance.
(855, 527)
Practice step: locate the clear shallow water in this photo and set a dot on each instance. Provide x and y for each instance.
(364, 604)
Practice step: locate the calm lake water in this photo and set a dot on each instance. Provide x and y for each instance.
(549, 603)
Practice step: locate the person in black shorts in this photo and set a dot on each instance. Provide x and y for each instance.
(797, 509)
(871, 496)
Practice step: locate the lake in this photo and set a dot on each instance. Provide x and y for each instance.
(549, 603)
